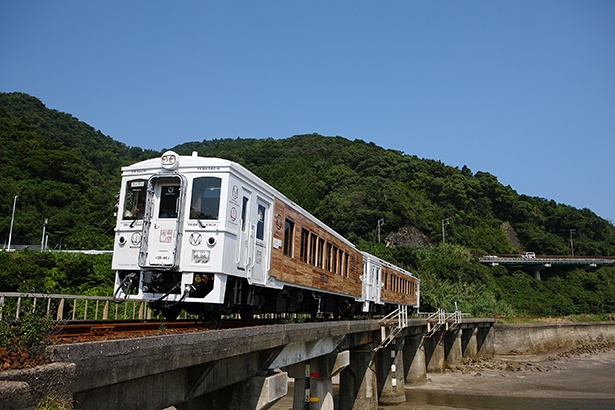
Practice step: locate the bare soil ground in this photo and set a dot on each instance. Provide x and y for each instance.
(583, 378)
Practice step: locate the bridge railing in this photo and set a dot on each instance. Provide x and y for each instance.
(13, 305)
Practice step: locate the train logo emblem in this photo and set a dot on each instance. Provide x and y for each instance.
(195, 239)
(135, 239)
(233, 214)
(235, 193)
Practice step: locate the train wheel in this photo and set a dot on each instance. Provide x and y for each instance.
(246, 312)
(170, 312)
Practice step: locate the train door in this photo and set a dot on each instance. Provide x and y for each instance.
(261, 242)
(371, 281)
(243, 257)
(161, 223)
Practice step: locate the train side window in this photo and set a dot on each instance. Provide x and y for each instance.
(313, 244)
(305, 236)
(205, 201)
(244, 210)
(289, 233)
(260, 224)
(135, 195)
(334, 259)
(320, 253)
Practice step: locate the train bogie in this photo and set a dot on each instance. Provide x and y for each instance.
(206, 235)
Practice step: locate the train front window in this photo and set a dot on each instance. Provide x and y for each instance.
(168, 201)
(205, 202)
(134, 199)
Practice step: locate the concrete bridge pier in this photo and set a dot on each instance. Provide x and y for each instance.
(434, 353)
(313, 380)
(452, 347)
(469, 345)
(358, 381)
(415, 368)
(485, 341)
(391, 381)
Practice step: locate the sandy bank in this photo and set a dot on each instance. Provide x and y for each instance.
(583, 378)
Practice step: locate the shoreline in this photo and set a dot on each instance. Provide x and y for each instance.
(581, 378)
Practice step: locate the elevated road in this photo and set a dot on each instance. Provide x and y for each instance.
(540, 262)
(549, 260)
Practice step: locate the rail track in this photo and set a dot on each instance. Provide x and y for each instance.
(95, 330)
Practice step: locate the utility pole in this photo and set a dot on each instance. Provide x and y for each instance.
(572, 232)
(12, 220)
(43, 237)
(380, 223)
(444, 221)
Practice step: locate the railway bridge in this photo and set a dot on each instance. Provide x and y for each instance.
(249, 368)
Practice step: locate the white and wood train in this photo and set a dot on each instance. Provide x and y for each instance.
(208, 236)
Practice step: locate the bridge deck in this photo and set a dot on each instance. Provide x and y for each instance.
(546, 260)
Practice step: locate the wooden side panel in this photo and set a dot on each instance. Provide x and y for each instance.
(313, 272)
(398, 288)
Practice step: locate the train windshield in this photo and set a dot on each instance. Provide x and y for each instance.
(134, 199)
(169, 195)
(205, 202)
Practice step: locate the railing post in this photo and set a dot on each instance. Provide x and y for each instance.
(105, 314)
(60, 312)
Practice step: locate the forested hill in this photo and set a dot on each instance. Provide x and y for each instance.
(351, 185)
(64, 170)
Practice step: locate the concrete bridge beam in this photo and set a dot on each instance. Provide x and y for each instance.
(256, 393)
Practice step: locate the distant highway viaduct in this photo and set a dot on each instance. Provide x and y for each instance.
(540, 262)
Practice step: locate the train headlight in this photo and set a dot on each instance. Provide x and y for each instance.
(169, 160)
(200, 256)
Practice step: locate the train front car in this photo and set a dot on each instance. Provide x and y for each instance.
(186, 228)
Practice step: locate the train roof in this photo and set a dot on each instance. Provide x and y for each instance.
(183, 161)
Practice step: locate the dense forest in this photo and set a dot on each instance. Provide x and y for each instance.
(436, 217)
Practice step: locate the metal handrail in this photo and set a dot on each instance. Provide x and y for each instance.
(70, 307)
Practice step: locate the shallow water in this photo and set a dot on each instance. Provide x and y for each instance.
(432, 400)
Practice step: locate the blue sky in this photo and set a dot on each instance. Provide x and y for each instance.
(524, 90)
